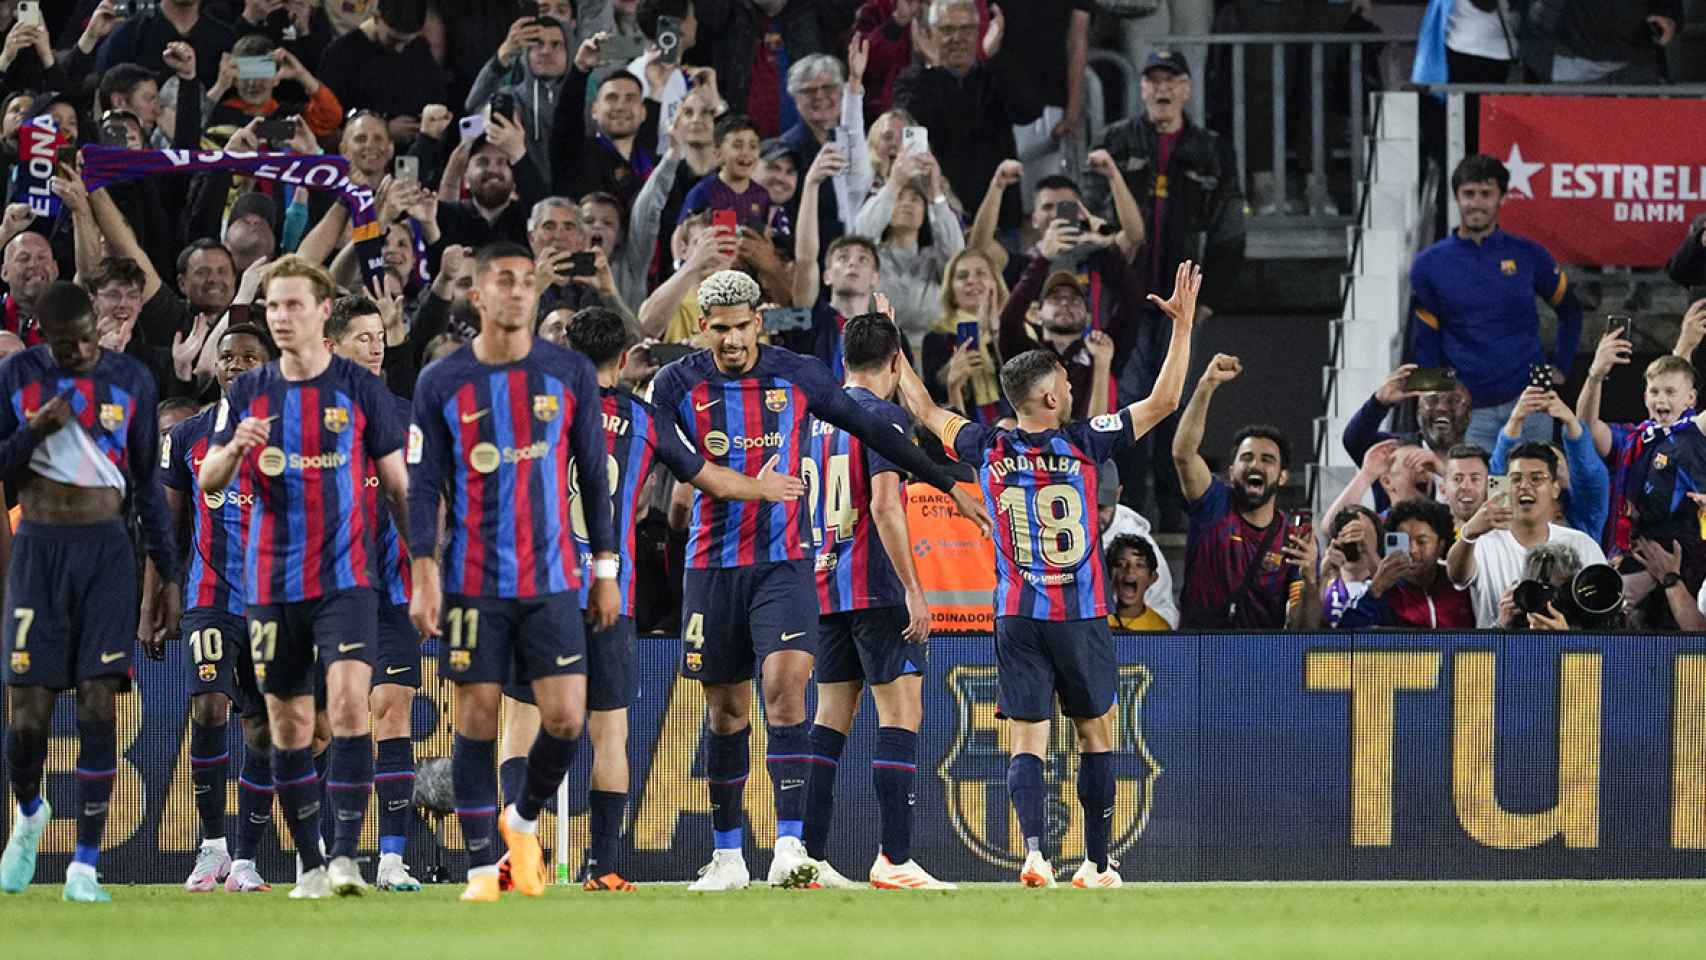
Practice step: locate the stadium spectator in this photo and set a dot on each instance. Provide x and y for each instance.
(960, 363)
(671, 313)
(116, 288)
(886, 27)
(257, 96)
(28, 268)
(969, 105)
(779, 170)
(1583, 482)
(740, 39)
(1409, 587)
(1442, 416)
(143, 40)
(1599, 41)
(1052, 39)
(1347, 567)
(1244, 567)
(1487, 559)
(1473, 296)
(27, 58)
(830, 98)
(1687, 265)
(733, 187)
(298, 26)
(1119, 522)
(882, 142)
(366, 67)
(1132, 562)
(918, 234)
(611, 157)
(1464, 483)
(1480, 40)
(839, 291)
(531, 65)
(502, 187)
(565, 280)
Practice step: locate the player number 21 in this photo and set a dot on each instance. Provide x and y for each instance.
(1060, 514)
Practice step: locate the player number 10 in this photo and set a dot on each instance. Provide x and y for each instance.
(1060, 514)
(207, 646)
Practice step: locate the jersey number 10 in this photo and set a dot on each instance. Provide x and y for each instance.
(1061, 531)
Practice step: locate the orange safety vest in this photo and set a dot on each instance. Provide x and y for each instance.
(956, 563)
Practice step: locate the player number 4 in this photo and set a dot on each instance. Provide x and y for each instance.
(1060, 514)
(695, 632)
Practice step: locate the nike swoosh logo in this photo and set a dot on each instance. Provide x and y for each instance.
(476, 415)
(112, 657)
(393, 671)
(702, 407)
(567, 661)
(792, 636)
(347, 647)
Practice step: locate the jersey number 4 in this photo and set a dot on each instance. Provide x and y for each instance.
(1060, 531)
(829, 498)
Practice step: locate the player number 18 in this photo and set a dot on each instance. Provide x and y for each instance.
(577, 513)
(1060, 514)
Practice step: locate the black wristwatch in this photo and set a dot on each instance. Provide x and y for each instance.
(1669, 580)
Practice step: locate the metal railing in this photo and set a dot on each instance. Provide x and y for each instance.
(1318, 45)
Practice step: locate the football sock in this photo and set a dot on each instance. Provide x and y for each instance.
(606, 808)
(1025, 789)
(26, 754)
(476, 798)
(328, 816)
(349, 786)
(789, 761)
(512, 773)
(827, 744)
(210, 761)
(727, 763)
(394, 783)
(299, 797)
(254, 802)
(547, 761)
(97, 765)
(1096, 795)
(894, 767)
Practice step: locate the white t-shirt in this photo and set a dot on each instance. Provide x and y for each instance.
(1477, 32)
(1498, 566)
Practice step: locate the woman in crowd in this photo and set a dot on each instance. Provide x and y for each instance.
(960, 363)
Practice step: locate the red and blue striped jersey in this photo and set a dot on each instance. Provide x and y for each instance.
(741, 420)
(310, 533)
(499, 442)
(392, 556)
(112, 438)
(635, 443)
(1040, 489)
(853, 569)
(219, 521)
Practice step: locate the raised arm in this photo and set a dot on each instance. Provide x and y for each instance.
(1131, 235)
(807, 275)
(989, 213)
(121, 240)
(1194, 475)
(1613, 351)
(1181, 308)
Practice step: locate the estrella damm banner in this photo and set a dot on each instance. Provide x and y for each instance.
(1242, 756)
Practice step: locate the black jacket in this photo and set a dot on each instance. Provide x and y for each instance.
(1610, 31)
(1205, 202)
(971, 120)
(1687, 265)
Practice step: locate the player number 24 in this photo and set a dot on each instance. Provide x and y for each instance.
(839, 516)
(1060, 513)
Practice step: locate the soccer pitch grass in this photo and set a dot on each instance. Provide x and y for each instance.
(1598, 920)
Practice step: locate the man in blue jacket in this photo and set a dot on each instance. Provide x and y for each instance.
(1473, 297)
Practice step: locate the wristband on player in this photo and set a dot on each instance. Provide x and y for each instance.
(604, 568)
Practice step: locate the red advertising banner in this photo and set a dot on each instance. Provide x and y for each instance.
(1599, 180)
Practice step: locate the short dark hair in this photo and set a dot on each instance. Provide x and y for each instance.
(610, 200)
(1470, 451)
(854, 240)
(646, 14)
(614, 76)
(1431, 512)
(869, 340)
(119, 270)
(344, 311)
(253, 330)
(1264, 431)
(1135, 544)
(499, 250)
(253, 45)
(1058, 181)
(204, 243)
(403, 16)
(63, 304)
(1533, 450)
(1337, 522)
(1480, 168)
(175, 403)
(599, 333)
(1020, 375)
(122, 78)
(730, 124)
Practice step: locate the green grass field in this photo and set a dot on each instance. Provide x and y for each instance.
(1590, 921)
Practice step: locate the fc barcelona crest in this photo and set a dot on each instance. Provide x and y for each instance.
(1507, 267)
(1272, 561)
(775, 401)
(974, 773)
(337, 419)
(546, 407)
(111, 416)
(208, 672)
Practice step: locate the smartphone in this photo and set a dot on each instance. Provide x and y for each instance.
(1540, 375)
(1431, 379)
(915, 139)
(725, 220)
(1302, 523)
(1498, 486)
(785, 319)
(256, 68)
(472, 127)
(29, 13)
(406, 168)
(65, 159)
(1072, 212)
(132, 8)
(1352, 551)
(968, 332)
(1619, 321)
(527, 8)
(665, 354)
(277, 130)
(621, 47)
(1397, 542)
(504, 103)
(583, 264)
(669, 41)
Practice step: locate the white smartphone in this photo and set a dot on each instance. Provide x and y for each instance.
(29, 13)
(915, 139)
(1397, 542)
(1498, 486)
(473, 126)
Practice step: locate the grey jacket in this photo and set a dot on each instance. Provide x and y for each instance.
(536, 96)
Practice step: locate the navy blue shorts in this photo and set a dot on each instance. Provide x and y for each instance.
(219, 660)
(286, 640)
(612, 678)
(1038, 659)
(493, 640)
(866, 645)
(71, 598)
(399, 659)
(733, 618)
